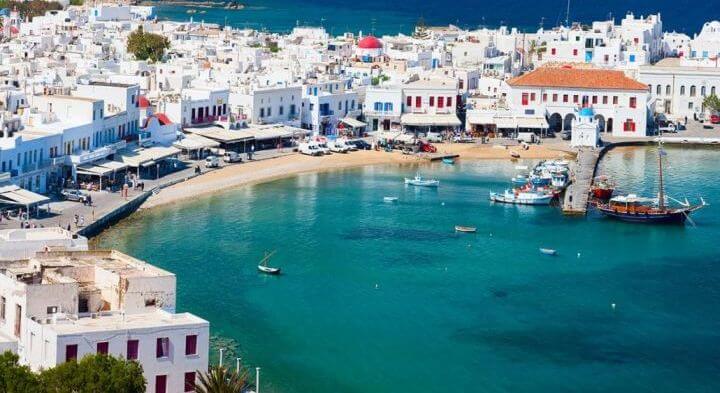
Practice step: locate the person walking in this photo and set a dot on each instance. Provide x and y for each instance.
(82, 221)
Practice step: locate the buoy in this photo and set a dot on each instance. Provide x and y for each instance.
(578, 255)
(442, 204)
(613, 306)
(376, 286)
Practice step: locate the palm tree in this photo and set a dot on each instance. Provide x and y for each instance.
(220, 380)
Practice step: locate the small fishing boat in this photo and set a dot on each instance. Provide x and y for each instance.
(420, 182)
(515, 155)
(264, 268)
(521, 167)
(448, 160)
(521, 197)
(390, 199)
(460, 228)
(548, 251)
(602, 188)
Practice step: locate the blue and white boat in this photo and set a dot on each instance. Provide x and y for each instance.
(522, 197)
(519, 180)
(420, 182)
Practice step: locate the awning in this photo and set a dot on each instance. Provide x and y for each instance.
(505, 122)
(405, 138)
(387, 135)
(480, 118)
(195, 142)
(101, 168)
(532, 122)
(220, 134)
(354, 123)
(268, 133)
(423, 119)
(146, 156)
(15, 195)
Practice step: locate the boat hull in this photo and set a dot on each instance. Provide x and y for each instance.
(422, 183)
(537, 201)
(603, 194)
(670, 217)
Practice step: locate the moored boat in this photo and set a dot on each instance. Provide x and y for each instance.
(548, 251)
(448, 160)
(521, 197)
(602, 188)
(390, 199)
(519, 180)
(421, 182)
(460, 228)
(264, 268)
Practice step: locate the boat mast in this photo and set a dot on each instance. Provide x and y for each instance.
(661, 191)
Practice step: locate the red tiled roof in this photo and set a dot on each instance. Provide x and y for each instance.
(581, 78)
(161, 118)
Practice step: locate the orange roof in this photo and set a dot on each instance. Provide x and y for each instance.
(577, 78)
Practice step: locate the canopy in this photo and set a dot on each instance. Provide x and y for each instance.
(532, 122)
(195, 142)
(266, 133)
(354, 123)
(505, 122)
(101, 168)
(15, 195)
(388, 135)
(146, 156)
(220, 134)
(423, 119)
(480, 118)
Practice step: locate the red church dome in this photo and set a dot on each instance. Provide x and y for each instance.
(143, 102)
(370, 42)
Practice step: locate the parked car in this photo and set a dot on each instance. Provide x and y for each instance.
(360, 144)
(463, 139)
(434, 137)
(212, 162)
(337, 147)
(231, 156)
(74, 195)
(310, 149)
(715, 118)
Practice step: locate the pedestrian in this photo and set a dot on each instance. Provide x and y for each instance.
(82, 221)
(68, 227)
(89, 200)
(22, 225)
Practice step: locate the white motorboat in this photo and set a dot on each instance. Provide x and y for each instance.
(420, 182)
(522, 197)
(390, 199)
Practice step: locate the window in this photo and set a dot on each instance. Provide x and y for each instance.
(658, 90)
(262, 112)
(682, 90)
(555, 97)
(160, 383)
(575, 52)
(71, 352)
(532, 97)
(51, 310)
(103, 347)
(632, 58)
(190, 381)
(377, 106)
(132, 349)
(565, 98)
(432, 101)
(553, 51)
(525, 98)
(594, 100)
(544, 97)
(418, 101)
(693, 91)
(633, 102)
(162, 347)
(667, 90)
(269, 111)
(448, 102)
(712, 90)
(281, 110)
(191, 344)
(408, 101)
(388, 107)
(576, 99)
(605, 100)
(441, 102)
(615, 100)
(629, 125)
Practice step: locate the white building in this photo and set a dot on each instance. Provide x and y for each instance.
(706, 44)
(383, 107)
(325, 103)
(620, 103)
(679, 90)
(585, 129)
(62, 305)
(430, 104)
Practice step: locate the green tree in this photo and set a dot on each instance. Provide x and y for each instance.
(94, 373)
(712, 102)
(15, 378)
(220, 380)
(147, 46)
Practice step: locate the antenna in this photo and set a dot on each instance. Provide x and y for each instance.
(567, 15)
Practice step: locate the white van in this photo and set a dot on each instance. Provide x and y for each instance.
(231, 156)
(337, 147)
(212, 162)
(310, 149)
(527, 137)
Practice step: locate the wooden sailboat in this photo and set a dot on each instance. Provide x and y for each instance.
(631, 208)
(264, 268)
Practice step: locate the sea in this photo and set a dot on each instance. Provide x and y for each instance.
(383, 17)
(387, 297)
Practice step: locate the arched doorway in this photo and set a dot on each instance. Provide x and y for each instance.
(601, 122)
(555, 122)
(568, 121)
(609, 125)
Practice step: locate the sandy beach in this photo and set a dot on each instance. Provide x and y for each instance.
(276, 168)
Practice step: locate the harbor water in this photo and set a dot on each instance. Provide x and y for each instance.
(381, 17)
(386, 297)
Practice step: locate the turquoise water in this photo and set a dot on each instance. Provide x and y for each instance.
(383, 17)
(383, 297)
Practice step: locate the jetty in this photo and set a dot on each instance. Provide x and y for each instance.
(439, 156)
(575, 201)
